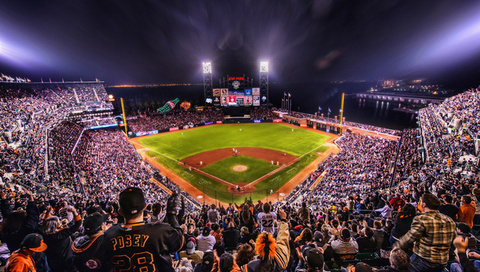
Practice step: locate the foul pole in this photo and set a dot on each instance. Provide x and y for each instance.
(124, 118)
(341, 109)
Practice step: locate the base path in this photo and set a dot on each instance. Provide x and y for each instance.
(203, 159)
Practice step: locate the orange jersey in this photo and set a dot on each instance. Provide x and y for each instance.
(20, 262)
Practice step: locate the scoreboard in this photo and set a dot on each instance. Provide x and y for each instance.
(237, 94)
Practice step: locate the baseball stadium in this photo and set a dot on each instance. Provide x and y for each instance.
(239, 136)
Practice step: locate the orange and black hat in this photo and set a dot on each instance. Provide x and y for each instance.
(34, 242)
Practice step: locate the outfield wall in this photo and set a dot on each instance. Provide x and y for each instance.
(230, 121)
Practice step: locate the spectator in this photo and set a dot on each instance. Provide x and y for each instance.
(366, 242)
(273, 253)
(231, 237)
(402, 223)
(431, 234)
(267, 219)
(88, 248)
(399, 261)
(190, 253)
(207, 263)
(205, 241)
(461, 244)
(448, 208)
(59, 241)
(152, 242)
(21, 259)
(466, 212)
(345, 247)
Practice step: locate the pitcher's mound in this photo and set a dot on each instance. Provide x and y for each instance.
(240, 168)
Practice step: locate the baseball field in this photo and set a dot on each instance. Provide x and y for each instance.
(231, 162)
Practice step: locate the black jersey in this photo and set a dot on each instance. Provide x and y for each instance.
(142, 247)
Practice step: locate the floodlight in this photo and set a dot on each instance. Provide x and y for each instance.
(207, 67)
(264, 67)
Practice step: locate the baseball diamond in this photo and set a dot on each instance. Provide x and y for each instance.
(202, 160)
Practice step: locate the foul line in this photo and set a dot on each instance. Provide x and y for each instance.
(157, 153)
(313, 150)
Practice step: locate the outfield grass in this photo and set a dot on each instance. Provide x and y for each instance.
(169, 148)
(185, 143)
(224, 169)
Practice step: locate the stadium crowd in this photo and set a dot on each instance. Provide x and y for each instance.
(176, 118)
(374, 203)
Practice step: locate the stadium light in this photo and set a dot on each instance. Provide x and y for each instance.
(264, 67)
(207, 67)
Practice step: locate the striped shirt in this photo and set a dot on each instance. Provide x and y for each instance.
(431, 234)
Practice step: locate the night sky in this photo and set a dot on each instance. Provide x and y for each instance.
(136, 42)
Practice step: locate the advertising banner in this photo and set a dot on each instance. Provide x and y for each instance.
(219, 122)
(236, 93)
(224, 100)
(143, 133)
(248, 100)
(174, 128)
(277, 120)
(248, 91)
(217, 92)
(256, 100)
(104, 126)
(256, 91)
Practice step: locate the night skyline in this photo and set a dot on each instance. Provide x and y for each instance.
(149, 42)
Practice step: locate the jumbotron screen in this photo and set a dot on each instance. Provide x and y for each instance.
(240, 97)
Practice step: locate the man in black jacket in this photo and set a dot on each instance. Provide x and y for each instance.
(88, 247)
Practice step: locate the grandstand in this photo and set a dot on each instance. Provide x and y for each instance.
(60, 142)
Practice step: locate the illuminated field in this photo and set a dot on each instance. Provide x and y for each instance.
(171, 148)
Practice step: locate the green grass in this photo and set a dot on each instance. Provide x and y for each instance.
(224, 169)
(185, 143)
(169, 148)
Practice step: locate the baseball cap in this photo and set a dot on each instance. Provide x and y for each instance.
(345, 234)
(464, 228)
(448, 198)
(34, 242)
(131, 200)
(363, 267)
(314, 258)
(206, 231)
(191, 245)
(93, 222)
(208, 258)
(298, 227)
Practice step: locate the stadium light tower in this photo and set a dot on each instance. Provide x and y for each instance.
(264, 67)
(207, 83)
(207, 67)
(263, 82)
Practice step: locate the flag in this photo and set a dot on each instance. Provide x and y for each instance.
(329, 111)
(319, 108)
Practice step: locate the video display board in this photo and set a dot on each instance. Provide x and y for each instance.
(236, 94)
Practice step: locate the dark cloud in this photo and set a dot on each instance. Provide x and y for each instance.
(150, 41)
